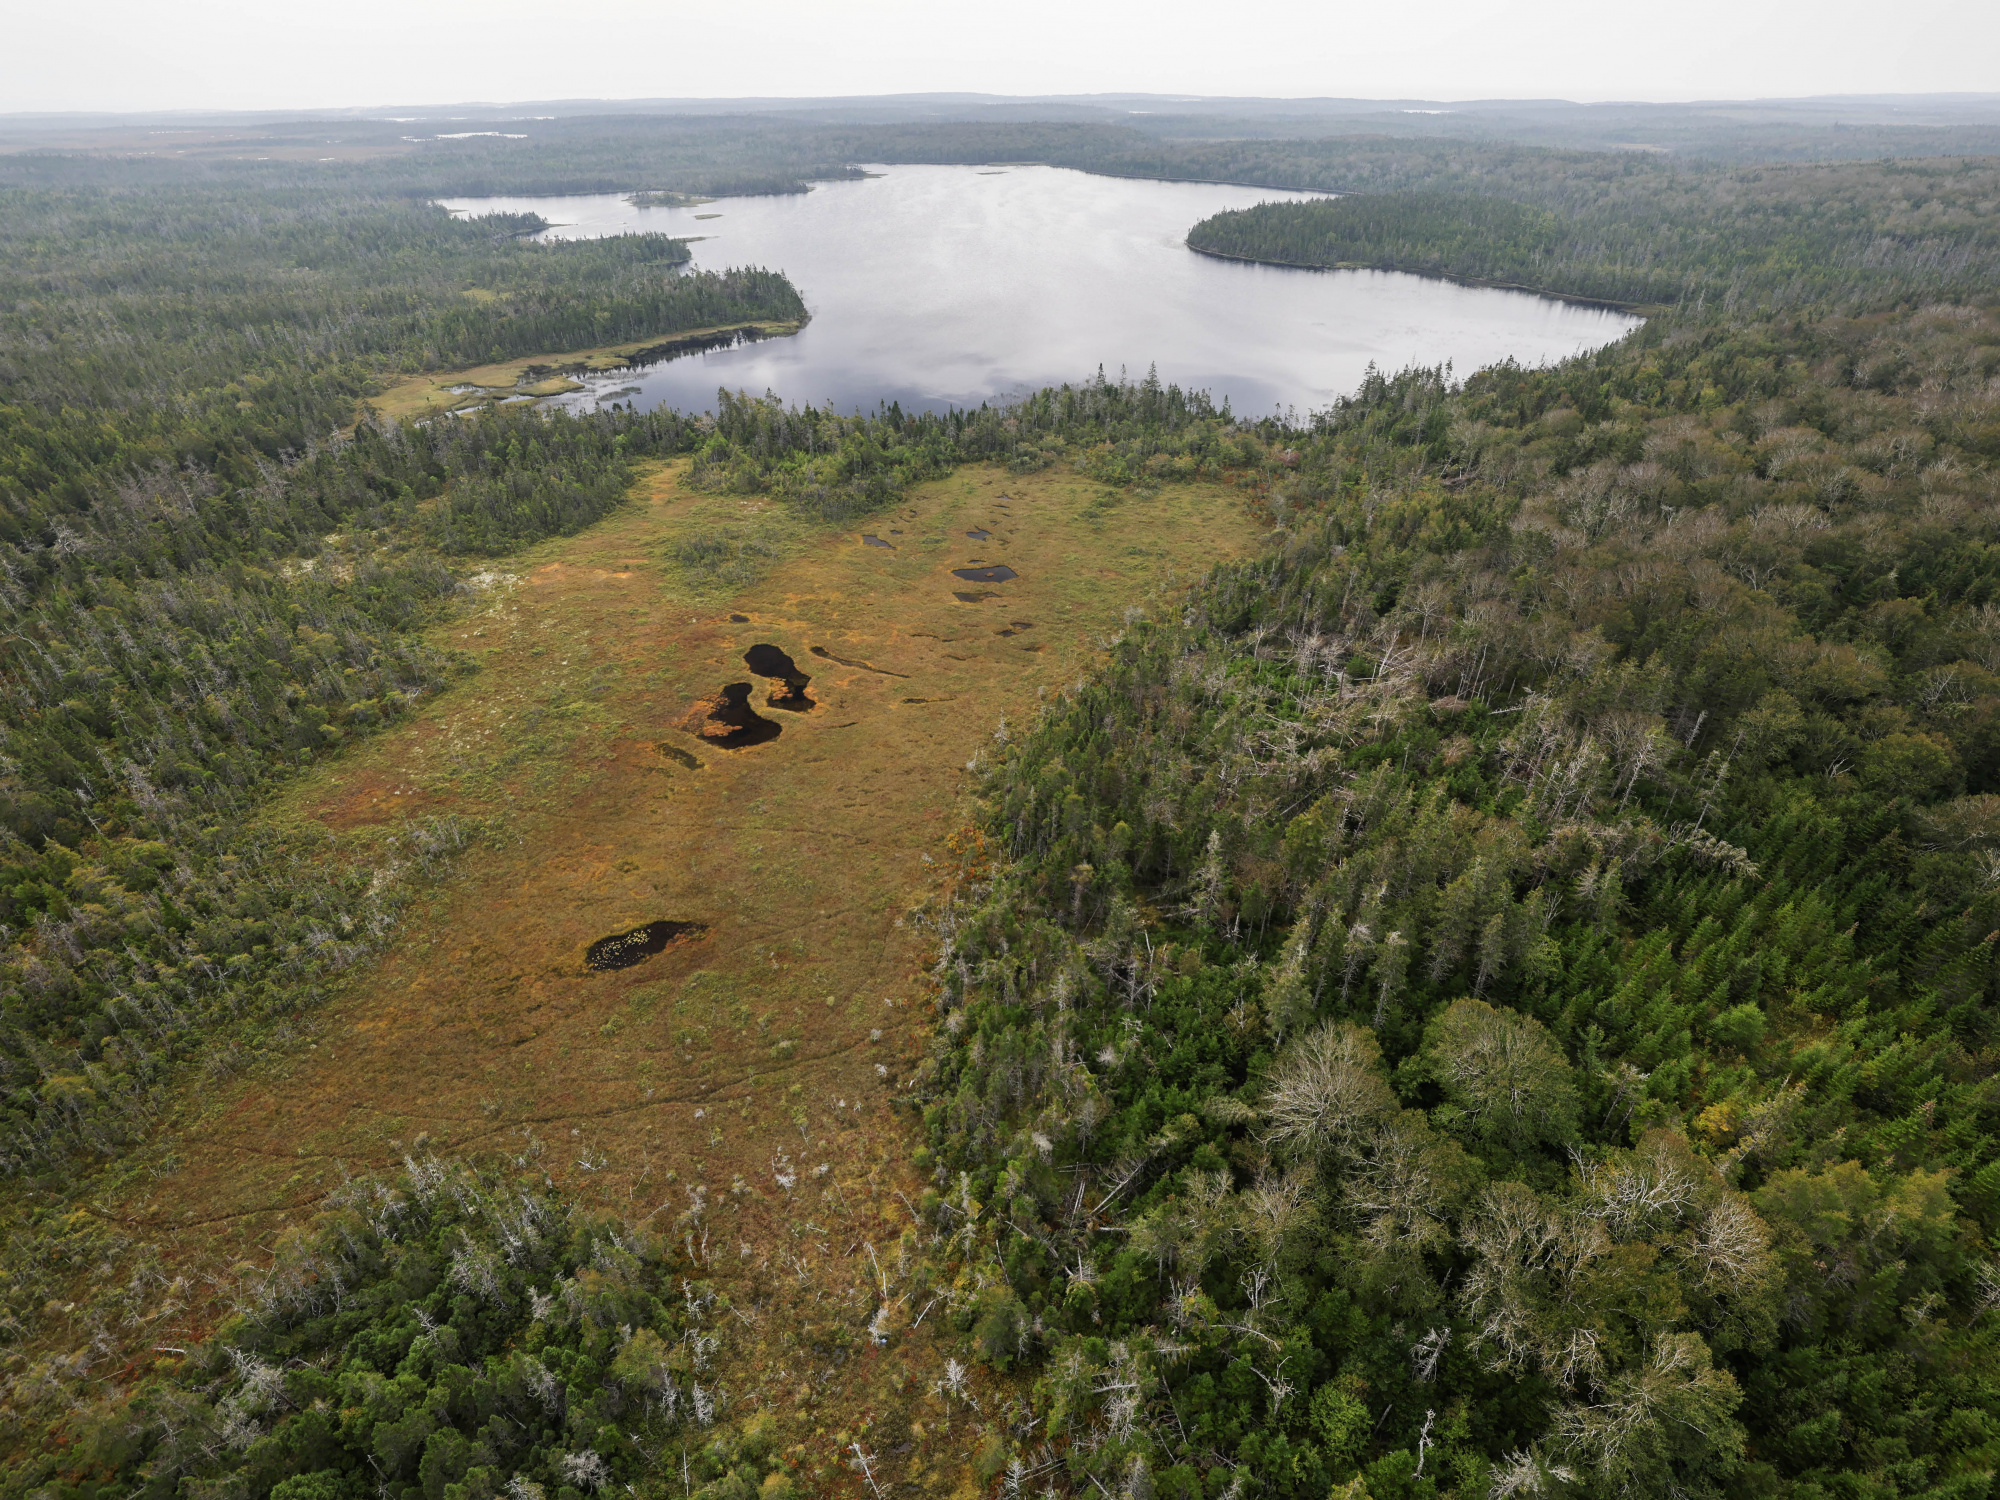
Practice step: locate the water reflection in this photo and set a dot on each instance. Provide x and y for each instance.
(955, 285)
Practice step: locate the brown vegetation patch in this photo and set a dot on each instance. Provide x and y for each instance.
(790, 1027)
(853, 661)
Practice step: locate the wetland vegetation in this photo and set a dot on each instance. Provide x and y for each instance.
(1493, 994)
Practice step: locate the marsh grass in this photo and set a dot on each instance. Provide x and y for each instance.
(707, 562)
(544, 750)
(728, 545)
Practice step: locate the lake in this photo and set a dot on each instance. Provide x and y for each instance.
(937, 286)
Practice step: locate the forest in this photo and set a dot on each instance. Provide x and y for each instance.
(1494, 996)
(1787, 236)
(212, 572)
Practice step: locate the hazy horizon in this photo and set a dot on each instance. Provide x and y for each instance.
(1109, 103)
(230, 55)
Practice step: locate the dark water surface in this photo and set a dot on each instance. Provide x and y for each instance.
(956, 285)
(623, 949)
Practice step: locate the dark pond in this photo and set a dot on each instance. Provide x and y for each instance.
(728, 722)
(769, 661)
(623, 949)
(997, 573)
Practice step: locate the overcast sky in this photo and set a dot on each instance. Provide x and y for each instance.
(290, 54)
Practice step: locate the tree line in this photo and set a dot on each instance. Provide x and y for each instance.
(1832, 235)
(447, 1332)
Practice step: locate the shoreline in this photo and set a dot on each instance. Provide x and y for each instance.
(1604, 304)
(415, 397)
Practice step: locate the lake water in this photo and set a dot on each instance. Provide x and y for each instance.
(939, 286)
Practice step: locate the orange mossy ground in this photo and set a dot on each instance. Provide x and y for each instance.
(784, 1031)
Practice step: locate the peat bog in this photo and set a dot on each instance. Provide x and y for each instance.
(801, 861)
(851, 661)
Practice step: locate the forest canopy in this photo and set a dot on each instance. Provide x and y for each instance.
(1839, 235)
(1493, 996)
(1496, 997)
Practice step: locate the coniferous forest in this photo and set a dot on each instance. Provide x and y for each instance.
(1494, 995)
(1491, 998)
